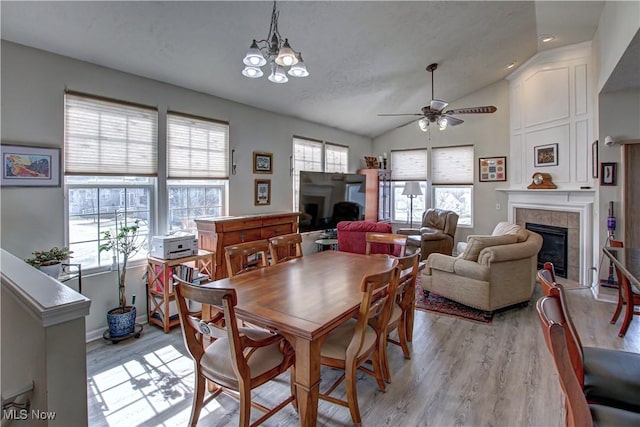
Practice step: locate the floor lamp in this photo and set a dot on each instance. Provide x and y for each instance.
(411, 190)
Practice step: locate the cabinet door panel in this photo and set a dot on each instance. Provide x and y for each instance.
(233, 237)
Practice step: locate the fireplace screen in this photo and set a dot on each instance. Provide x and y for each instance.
(554, 246)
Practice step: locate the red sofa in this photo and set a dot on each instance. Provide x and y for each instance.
(351, 237)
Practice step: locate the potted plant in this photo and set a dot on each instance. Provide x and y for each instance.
(50, 262)
(126, 242)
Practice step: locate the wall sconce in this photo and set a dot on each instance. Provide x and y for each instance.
(233, 161)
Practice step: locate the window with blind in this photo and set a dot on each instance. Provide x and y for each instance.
(408, 166)
(307, 156)
(336, 158)
(197, 168)
(452, 181)
(110, 169)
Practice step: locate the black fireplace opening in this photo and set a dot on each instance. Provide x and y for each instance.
(554, 246)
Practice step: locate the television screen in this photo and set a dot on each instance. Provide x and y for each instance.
(328, 198)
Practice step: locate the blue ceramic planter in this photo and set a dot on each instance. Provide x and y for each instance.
(121, 324)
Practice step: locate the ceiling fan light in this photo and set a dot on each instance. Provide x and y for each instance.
(278, 75)
(252, 72)
(286, 56)
(442, 123)
(423, 124)
(254, 57)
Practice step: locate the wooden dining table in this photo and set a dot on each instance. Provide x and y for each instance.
(304, 299)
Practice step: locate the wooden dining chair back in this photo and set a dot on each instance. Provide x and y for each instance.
(285, 247)
(396, 244)
(627, 297)
(247, 256)
(547, 278)
(350, 345)
(402, 310)
(235, 359)
(554, 330)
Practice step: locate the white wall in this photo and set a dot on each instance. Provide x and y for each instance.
(489, 134)
(33, 84)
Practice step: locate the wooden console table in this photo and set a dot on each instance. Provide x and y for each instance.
(214, 234)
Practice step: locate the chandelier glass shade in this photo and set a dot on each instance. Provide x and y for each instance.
(442, 123)
(275, 51)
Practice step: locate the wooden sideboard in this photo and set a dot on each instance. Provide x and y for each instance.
(214, 234)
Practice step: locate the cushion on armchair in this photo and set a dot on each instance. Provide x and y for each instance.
(475, 244)
(352, 236)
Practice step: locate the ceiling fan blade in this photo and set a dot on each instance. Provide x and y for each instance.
(452, 121)
(392, 115)
(437, 105)
(473, 110)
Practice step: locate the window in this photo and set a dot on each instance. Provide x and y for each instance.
(407, 166)
(308, 156)
(452, 179)
(198, 169)
(336, 158)
(110, 169)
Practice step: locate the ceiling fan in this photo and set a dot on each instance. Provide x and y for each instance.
(433, 113)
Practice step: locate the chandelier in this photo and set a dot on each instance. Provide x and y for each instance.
(277, 52)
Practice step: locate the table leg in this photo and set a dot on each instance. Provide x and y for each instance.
(308, 379)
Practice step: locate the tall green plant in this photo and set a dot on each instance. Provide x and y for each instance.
(126, 242)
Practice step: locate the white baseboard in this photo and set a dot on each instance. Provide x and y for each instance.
(97, 334)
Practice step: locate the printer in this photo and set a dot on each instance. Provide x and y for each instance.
(173, 246)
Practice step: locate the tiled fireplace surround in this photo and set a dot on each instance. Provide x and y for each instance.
(561, 208)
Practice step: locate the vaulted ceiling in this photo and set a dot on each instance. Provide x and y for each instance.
(365, 58)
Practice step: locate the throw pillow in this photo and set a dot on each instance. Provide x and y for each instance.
(476, 244)
(508, 228)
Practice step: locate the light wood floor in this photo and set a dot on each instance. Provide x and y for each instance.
(461, 374)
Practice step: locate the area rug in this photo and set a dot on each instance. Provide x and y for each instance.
(442, 305)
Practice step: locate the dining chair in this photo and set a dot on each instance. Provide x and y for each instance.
(247, 256)
(351, 344)
(235, 359)
(579, 412)
(607, 376)
(397, 242)
(285, 247)
(401, 317)
(628, 297)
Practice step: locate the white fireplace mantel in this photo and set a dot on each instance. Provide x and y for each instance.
(566, 200)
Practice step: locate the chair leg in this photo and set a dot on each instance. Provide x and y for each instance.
(245, 405)
(402, 337)
(628, 315)
(616, 313)
(292, 378)
(352, 394)
(409, 325)
(384, 360)
(377, 358)
(198, 399)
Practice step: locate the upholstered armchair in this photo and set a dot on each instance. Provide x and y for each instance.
(436, 234)
(493, 271)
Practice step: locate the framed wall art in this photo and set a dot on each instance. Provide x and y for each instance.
(607, 173)
(545, 155)
(262, 195)
(262, 162)
(27, 166)
(492, 169)
(594, 159)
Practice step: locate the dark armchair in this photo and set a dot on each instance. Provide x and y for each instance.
(436, 234)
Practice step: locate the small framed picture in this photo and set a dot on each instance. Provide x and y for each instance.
(27, 166)
(492, 169)
(545, 155)
(262, 192)
(371, 162)
(262, 162)
(608, 173)
(594, 159)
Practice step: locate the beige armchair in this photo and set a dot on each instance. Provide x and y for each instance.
(436, 234)
(493, 272)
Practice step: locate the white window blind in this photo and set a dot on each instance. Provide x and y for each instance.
(307, 155)
(336, 158)
(105, 137)
(452, 165)
(409, 165)
(197, 147)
